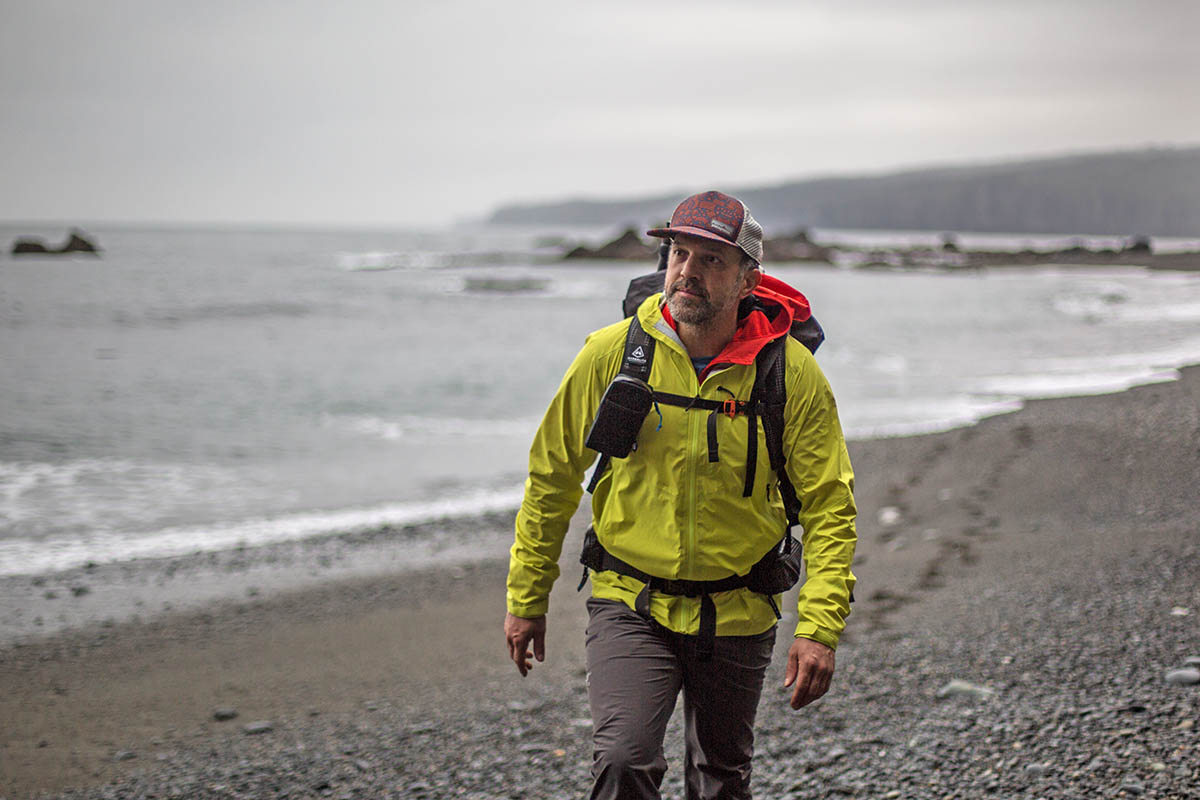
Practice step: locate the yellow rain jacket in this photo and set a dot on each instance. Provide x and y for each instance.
(670, 512)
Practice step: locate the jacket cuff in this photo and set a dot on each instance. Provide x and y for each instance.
(528, 610)
(807, 630)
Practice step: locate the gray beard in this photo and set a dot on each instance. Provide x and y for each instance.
(699, 314)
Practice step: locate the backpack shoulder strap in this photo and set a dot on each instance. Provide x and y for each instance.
(772, 390)
(639, 351)
(636, 361)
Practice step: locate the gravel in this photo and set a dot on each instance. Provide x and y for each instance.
(1078, 709)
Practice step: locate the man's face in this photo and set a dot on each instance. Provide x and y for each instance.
(705, 281)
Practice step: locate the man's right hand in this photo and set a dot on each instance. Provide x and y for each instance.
(519, 631)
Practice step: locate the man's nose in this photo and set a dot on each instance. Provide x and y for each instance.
(688, 266)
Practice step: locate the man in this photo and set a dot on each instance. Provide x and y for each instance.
(680, 511)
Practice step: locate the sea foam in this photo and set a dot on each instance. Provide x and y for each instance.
(37, 556)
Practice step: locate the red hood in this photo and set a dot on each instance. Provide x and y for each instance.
(777, 306)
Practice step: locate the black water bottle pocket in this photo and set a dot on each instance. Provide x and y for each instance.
(622, 410)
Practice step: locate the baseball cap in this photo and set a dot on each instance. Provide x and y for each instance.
(716, 216)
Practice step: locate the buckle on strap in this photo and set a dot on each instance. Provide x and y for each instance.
(729, 407)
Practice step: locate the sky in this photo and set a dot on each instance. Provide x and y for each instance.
(405, 114)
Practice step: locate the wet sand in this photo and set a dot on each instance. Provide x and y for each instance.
(970, 540)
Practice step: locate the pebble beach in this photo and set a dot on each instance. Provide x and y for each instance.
(1027, 625)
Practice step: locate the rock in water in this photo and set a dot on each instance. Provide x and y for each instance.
(222, 714)
(77, 242)
(796, 247)
(1188, 676)
(262, 726)
(1139, 244)
(27, 245)
(628, 246)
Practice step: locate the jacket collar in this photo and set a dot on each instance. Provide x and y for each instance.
(762, 317)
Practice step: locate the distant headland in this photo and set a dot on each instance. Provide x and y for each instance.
(1152, 192)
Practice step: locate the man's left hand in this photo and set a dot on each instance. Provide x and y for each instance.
(810, 668)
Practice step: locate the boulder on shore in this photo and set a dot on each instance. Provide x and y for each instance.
(77, 242)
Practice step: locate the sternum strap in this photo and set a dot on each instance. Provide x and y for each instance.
(730, 407)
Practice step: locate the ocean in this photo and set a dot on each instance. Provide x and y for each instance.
(196, 390)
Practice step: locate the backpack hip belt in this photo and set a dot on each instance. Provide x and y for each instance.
(777, 571)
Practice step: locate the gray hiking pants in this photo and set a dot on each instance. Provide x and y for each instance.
(636, 669)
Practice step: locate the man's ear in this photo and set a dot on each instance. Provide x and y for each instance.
(753, 276)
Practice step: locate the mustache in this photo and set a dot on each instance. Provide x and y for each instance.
(690, 286)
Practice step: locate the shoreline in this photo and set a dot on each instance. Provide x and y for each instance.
(959, 532)
(34, 606)
(38, 605)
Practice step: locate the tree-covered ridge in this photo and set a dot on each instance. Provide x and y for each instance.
(1153, 192)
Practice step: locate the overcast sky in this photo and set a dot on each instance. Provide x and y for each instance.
(403, 113)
